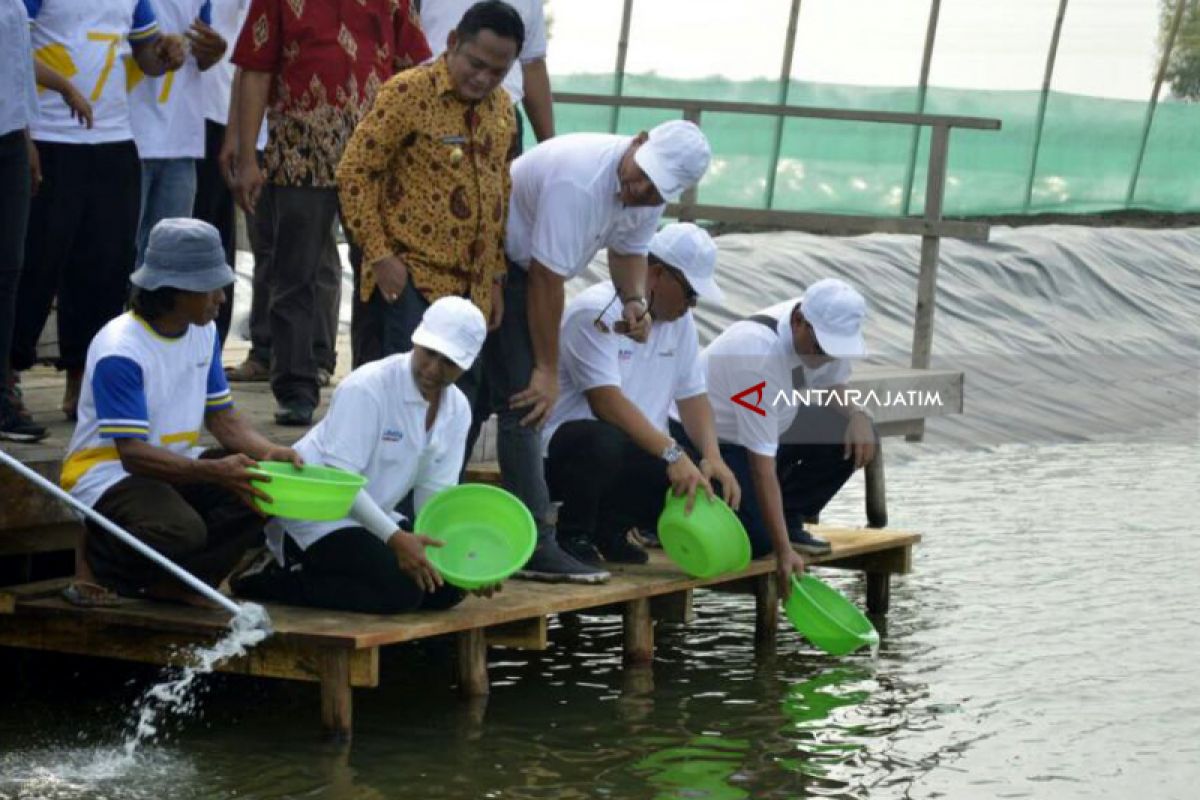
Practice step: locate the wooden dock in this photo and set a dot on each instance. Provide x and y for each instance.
(340, 651)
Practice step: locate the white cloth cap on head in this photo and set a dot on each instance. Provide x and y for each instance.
(836, 312)
(674, 158)
(454, 327)
(689, 249)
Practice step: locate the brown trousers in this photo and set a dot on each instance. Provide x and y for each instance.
(201, 527)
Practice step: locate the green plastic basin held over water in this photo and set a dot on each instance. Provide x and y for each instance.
(320, 494)
(489, 534)
(706, 543)
(826, 618)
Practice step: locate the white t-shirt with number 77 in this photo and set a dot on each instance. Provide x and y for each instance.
(167, 112)
(88, 41)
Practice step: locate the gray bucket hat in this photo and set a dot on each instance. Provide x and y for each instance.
(183, 254)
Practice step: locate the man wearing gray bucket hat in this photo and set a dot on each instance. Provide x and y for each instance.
(152, 382)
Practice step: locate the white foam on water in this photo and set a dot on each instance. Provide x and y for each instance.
(61, 773)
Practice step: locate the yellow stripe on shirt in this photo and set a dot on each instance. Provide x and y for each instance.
(81, 461)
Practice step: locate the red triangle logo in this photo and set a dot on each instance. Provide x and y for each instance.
(757, 391)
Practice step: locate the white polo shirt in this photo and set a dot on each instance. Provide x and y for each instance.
(439, 17)
(376, 427)
(652, 375)
(565, 205)
(748, 353)
(88, 41)
(166, 112)
(18, 94)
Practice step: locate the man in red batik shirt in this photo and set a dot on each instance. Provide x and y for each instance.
(314, 66)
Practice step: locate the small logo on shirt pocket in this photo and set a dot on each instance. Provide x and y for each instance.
(392, 435)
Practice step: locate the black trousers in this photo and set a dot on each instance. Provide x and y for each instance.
(80, 244)
(305, 288)
(606, 483)
(214, 205)
(347, 570)
(14, 216)
(811, 467)
(201, 527)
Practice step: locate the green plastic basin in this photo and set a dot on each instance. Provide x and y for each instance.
(489, 534)
(316, 493)
(826, 618)
(709, 542)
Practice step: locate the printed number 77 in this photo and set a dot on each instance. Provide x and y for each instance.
(110, 58)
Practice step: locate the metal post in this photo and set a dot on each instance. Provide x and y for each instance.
(1158, 82)
(1041, 112)
(935, 10)
(785, 83)
(687, 203)
(930, 245)
(622, 52)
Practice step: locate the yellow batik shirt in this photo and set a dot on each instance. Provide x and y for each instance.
(425, 177)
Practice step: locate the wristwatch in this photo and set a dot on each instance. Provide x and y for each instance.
(637, 298)
(672, 452)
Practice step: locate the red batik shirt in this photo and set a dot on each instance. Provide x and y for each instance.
(328, 59)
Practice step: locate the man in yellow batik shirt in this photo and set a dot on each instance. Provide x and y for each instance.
(424, 181)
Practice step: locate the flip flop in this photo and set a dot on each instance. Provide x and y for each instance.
(86, 594)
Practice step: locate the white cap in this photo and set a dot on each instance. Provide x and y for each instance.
(690, 250)
(674, 158)
(836, 312)
(454, 327)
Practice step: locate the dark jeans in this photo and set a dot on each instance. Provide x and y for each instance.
(347, 570)
(214, 205)
(810, 466)
(80, 243)
(507, 367)
(305, 274)
(201, 527)
(607, 484)
(14, 216)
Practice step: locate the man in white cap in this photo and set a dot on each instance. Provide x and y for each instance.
(572, 195)
(402, 423)
(152, 381)
(791, 456)
(610, 458)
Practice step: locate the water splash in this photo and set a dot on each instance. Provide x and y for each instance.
(177, 696)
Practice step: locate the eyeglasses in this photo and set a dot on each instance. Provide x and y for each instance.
(689, 294)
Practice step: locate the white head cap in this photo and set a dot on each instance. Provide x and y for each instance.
(674, 158)
(836, 312)
(454, 327)
(690, 250)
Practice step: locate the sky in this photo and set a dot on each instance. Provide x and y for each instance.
(1108, 47)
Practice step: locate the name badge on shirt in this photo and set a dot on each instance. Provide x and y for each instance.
(392, 435)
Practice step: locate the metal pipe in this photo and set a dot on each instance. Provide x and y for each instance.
(622, 52)
(785, 83)
(1051, 57)
(124, 535)
(1150, 109)
(935, 10)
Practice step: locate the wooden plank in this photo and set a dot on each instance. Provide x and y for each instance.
(52, 538)
(776, 109)
(337, 697)
(472, 663)
(519, 600)
(819, 222)
(524, 634)
(273, 658)
(766, 610)
(676, 607)
(639, 632)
